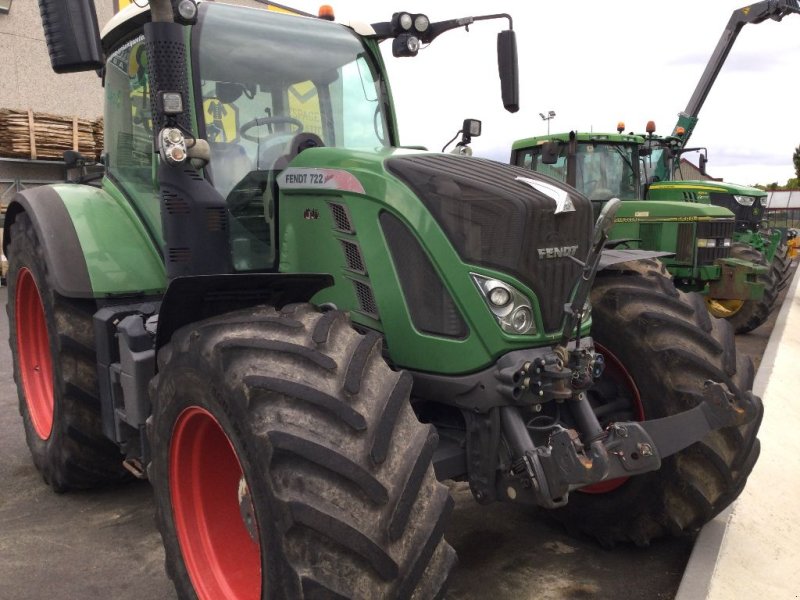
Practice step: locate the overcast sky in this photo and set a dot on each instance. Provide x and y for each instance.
(596, 63)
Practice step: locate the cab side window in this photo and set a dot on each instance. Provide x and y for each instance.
(128, 120)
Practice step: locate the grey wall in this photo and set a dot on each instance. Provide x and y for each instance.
(26, 80)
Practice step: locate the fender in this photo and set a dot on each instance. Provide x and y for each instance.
(93, 243)
(613, 256)
(197, 297)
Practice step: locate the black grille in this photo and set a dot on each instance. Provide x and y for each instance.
(747, 217)
(431, 307)
(352, 255)
(493, 220)
(684, 248)
(167, 59)
(717, 230)
(366, 299)
(341, 218)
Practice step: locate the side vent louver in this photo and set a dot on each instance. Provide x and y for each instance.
(175, 204)
(366, 299)
(180, 255)
(341, 218)
(217, 219)
(352, 255)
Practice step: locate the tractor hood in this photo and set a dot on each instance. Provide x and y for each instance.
(699, 191)
(443, 220)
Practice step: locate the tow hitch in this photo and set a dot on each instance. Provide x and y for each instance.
(624, 449)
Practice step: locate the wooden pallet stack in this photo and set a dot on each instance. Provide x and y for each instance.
(43, 136)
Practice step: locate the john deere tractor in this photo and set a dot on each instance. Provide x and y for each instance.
(295, 328)
(753, 239)
(700, 236)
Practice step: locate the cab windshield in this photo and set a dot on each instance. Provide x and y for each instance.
(268, 85)
(605, 171)
(270, 76)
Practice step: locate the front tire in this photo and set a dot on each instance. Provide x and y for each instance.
(781, 268)
(661, 346)
(287, 463)
(55, 368)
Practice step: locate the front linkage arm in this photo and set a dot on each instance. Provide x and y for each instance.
(589, 454)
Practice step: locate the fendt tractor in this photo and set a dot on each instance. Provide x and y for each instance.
(704, 257)
(296, 328)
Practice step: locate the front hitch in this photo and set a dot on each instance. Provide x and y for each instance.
(549, 472)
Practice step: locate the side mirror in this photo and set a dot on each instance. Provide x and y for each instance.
(703, 161)
(550, 153)
(72, 35)
(508, 68)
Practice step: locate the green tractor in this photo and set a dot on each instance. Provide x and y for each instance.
(296, 328)
(753, 239)
(699, 237)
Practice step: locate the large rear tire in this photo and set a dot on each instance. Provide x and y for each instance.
(287, 463)
(52, 345)
(661, 346)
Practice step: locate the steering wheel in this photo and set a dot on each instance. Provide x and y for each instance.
(267, 121)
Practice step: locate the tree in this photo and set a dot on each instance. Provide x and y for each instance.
(796, 161)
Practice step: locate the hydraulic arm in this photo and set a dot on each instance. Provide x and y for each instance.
(754, 13)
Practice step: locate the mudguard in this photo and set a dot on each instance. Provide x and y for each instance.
(613, 256)
(94, 244)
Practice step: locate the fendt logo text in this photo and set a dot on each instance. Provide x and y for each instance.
(559, 252)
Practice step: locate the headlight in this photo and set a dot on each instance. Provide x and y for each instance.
(421, 23)
(510, 307)
(706, 243)
(745, 200)
(499, 296)
(764, 201)
(521, 319)
(405, 21)
(726, 243)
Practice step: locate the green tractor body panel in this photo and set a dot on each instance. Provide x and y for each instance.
(121, 257)
(748, 205)
(342, 231)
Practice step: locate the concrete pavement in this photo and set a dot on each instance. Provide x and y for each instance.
(752, 550)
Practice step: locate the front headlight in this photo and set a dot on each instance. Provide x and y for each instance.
(764, 200)
(510, 307)
(706, 243)
(744, 200)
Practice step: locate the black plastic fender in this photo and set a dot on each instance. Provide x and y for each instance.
(194, 298)
(68, 274)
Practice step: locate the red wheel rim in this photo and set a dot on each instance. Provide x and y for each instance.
(33, 350)
(221, 558)
(617, 371)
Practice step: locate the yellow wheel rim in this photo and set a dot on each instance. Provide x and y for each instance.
(723, 309)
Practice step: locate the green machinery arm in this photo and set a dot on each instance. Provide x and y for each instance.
(754, 13)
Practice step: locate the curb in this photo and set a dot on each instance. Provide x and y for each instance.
(711, 557)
